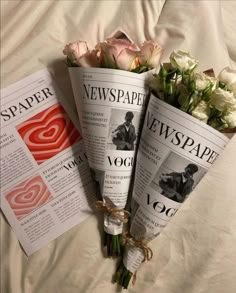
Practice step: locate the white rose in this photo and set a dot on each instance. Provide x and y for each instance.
(223, 100)
(182, 61)
(203, 81)
(201, 111)
(231, 119)
(228, 76)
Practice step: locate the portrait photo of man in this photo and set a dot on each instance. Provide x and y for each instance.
(177, 185)
(124, 135)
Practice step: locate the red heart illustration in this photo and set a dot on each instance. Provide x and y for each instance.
(28, 195)
(45, 132)
(48, 133)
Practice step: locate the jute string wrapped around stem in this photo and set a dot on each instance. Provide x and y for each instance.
(120, 214)
(141, 244)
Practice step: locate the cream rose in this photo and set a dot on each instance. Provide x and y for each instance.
(201, 111)
(228, 76)
(202, 81)
(231, 119)
(183, 61)
(223, 100)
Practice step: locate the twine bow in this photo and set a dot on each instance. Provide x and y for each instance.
(141, 244)
(120, 214)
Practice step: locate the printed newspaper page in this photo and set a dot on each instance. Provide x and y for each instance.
(175, 152)
(46, 185)
(111, 107)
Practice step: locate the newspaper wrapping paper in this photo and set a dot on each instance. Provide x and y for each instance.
(172, 143)
(105, 100)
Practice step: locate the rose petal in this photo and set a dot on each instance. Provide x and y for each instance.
(108, 54)
(75, 50)
(228, 76)
(183, 60)
(121, 44)
(150, 54)
(223, 100)
(201, 111)
(90, 59)
(231, 119)
(146, 52)
(127, 59)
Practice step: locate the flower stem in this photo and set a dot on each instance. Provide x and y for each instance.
(122, 276)
(113, 244)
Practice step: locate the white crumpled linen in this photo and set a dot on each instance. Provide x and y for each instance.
(196, 252)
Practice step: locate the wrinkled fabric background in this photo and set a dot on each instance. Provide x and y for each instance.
(196, 252)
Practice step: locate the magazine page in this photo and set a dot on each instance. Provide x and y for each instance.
(46, 184)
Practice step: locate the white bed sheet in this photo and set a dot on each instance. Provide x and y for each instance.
(196, 253)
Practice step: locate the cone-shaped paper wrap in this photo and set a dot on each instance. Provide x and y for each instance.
(111, 105)
(175, 152)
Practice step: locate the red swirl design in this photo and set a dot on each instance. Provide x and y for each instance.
(48, 133)
(27, 196)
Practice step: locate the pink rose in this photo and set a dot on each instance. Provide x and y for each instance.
(118, 53)
(128, 59)
(150, 54)
(79, 54)
(90, 59)
(75, 50)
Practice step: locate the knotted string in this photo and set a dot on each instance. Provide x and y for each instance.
(120, 214)
(141, 244)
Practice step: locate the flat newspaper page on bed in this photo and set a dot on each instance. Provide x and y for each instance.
(46, 185)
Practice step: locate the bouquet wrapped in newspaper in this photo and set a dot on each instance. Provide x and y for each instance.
(109, 85)
(181, 138)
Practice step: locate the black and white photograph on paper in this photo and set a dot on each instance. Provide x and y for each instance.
(123, 130)
(177, 177)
